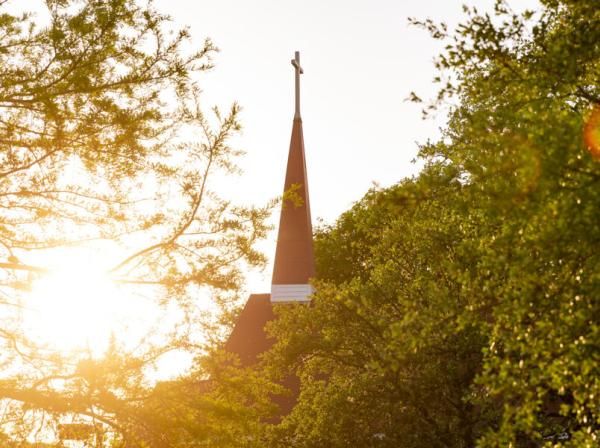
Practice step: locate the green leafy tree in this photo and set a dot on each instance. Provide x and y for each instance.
(383, 356)
(526, 90)
(460, 308)
(103, 141)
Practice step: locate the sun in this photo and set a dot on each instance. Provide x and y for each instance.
(77, 309)
(77, 306)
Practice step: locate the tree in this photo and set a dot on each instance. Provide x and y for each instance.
(459, 308)
(383, 357)
(103, 141)
(527, 90)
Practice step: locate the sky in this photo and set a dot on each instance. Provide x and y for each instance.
(361, 60)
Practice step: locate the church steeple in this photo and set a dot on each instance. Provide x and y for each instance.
(294, 257)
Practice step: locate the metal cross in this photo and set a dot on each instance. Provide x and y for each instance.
(299, 71)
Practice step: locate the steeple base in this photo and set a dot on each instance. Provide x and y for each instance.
(291, 293)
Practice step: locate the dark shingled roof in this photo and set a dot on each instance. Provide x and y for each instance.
(248, 338)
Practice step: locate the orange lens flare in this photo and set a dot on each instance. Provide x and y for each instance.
(591, 133)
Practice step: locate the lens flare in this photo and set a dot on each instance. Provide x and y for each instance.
(591, 133)
(74, 308)
(77, 308)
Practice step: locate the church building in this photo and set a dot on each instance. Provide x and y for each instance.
(294, 263)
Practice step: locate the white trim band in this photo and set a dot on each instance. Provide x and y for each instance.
(291, 293)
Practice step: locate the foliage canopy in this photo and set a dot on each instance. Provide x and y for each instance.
(460, 308)
(103, 143)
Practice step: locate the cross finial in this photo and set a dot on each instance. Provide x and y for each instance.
(299, 71)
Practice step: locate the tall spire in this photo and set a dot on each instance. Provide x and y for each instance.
(294, 257)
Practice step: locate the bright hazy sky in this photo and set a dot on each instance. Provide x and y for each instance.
(361, 60)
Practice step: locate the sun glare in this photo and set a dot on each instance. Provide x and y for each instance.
(75, 307)
(78, 307)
